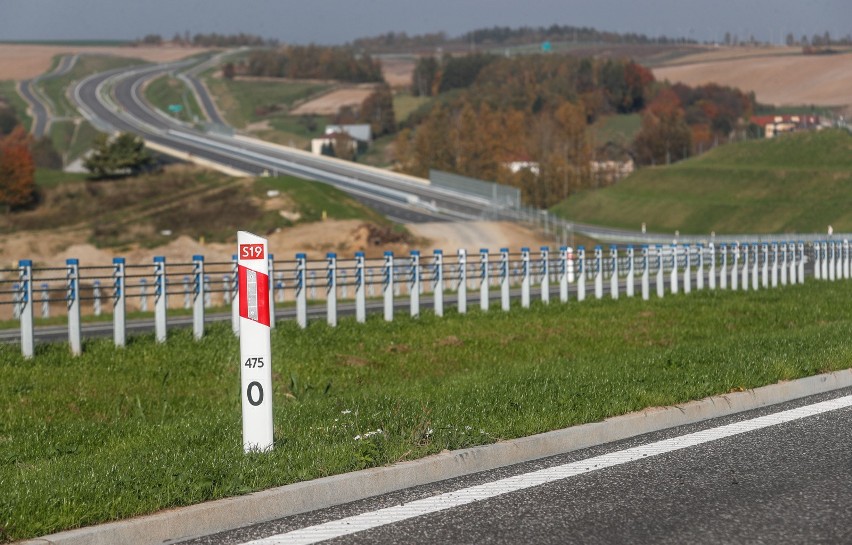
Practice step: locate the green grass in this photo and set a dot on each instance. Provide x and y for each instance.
(404, 104)
(84, 136)
(47, 178)
(167, 90)
(117, 433)
(86, 65)
(9, 91)
(620, 129)
(61, 134)
(239, 100)
(796, 183)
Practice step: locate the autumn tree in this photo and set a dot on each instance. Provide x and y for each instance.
(665, 137)
(17, 170)
(229, 70)
(377, 110)
(425, 76)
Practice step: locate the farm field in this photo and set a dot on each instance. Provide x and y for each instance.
(117, 434)
(797, 183)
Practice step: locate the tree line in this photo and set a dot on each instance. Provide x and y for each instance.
(312, 62)
(212, 39)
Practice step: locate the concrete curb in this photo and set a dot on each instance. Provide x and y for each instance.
(216, 516)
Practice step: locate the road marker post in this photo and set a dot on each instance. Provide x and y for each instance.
(504, 279)
(545, 274)
(673, 277)
(414, 282)
(25, 300)
(198, 293)
(581, 273)
(119, 302)
(461, 289)
(360, 289)
(438, 282)
(331, 288)
(301, 294)
(160, 298)
(563, 274)
(646, 288)
(387, 286)
(484, 270)
(255, 345)
(72, 283)
(631, 272)
(525, 277)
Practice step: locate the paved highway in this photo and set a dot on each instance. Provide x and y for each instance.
(40, 106)
(775, 475)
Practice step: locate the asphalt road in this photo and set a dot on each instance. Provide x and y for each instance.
(783, 483)
(39, 110)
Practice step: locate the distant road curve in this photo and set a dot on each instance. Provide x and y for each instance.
(41, 108)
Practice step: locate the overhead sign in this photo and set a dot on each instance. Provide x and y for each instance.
(255, 347)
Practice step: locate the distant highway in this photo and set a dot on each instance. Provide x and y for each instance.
(41, 108)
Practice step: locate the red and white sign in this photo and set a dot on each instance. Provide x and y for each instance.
(254, 299)
(252, 251)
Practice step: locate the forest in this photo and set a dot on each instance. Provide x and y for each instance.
(312, 62)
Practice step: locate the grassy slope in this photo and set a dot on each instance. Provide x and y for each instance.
(9, 91)
(167, 90)
(238, 100)
(797, 183)
(117, 433)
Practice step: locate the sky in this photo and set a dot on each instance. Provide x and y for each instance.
(340, 21)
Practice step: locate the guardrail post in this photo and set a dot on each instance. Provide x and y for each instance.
(563, 274)
(208, 297)
(525, 277)
(461, 290)
(360, 289)
(371, 286)
(438, 282)
(831, 260)
(504, 278)
(484, 270)
(764, 266)
(661, 287)
(143, 294)
(845, 258)
(598, 272)
(613, 272)
(331, 288)
(119, 302)
(187, 297)
(199, 292)
(673, 275)
(755, 255)
(160, 298)
(301, 294)
(735, 268)
(774, 274)
(699, 272)
(711, 275)
(791, 258)
(270, 263)
(631, 272)
(96, 297)
(817, 261)
(745, 269)
(723, 272)
(545, 274)
(645, 288)
(581, 273)
(838, 260)
(226, 290)
(388, 286)
(824, 260)
(235, 296)
(312, 293)
(45, 301)
(16, 301)
(783, 264)
(414, 283)
(342, 282)
(25, 300)
(687, 268)
(801, 271)
(73, 301)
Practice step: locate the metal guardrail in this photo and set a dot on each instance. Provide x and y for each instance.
(195, 285)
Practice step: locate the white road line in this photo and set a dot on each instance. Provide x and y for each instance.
(382, 517)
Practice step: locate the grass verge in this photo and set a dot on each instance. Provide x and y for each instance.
(9, 92)
(113, 434)
(166, 90)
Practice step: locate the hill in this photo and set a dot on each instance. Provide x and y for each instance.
(797, 183)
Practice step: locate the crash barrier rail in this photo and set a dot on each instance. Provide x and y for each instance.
(198, 285)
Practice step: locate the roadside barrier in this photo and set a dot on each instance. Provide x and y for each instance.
(183, 293)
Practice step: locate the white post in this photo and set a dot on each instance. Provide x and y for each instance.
(504, 278)
(646, 288)
(235, 296)
(824, 260)
(45, 301)
(360, 291)
(792, 262)
(187, 293)
(387, 286)
(545, 274)
(744, 273)
(25, 300)
(563, 274)
(764, 266)
(711, 274)
(735, 269)
(484, 270)
(312, 288)
(817, 261)
(198, 296)
(331, 288)
(830, 259)
(208, 297)
(581, 273)
(699, 272)
(255, 346)
(687, 268)
(845, 258)
(613, 272)
(598, 272)
(461, 288)
(630, 272)
(271, 271)
(784, 264)
(723, 273)
(661, 291)
(160, 298)
(279, 287)
(226, 289)
(73, 285)
(838, 259)
(301, 293)
(673, 278)
(801, 271)
(96, 296)
(414, 282)
(755, 273)
(525, 277)
(119, 302)
(438, 282)
(774, 274)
